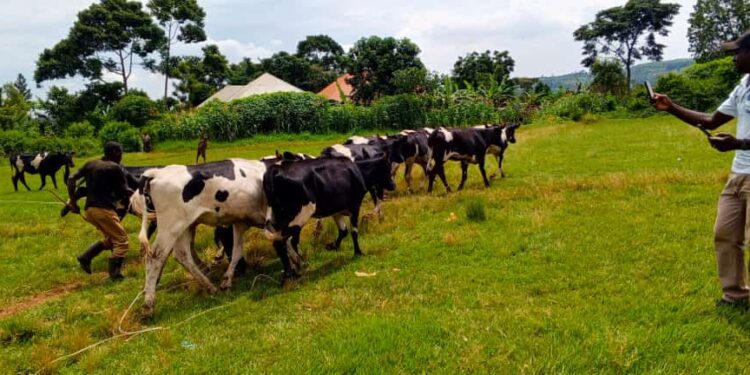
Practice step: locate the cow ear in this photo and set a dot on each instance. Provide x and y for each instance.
(288, 155)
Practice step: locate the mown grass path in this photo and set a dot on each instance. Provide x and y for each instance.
(596, 257)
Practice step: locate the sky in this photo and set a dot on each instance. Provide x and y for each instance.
(537, 33)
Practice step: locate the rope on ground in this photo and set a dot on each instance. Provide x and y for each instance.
(24, 202)
(130, 335)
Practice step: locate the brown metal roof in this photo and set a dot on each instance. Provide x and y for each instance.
(331, 92)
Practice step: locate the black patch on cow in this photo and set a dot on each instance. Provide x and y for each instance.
(242, 172)
(193, 187)
(222, 195)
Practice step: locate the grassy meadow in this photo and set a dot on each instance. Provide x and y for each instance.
(593, 255)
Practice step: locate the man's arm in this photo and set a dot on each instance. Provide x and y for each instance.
(72, 197)
(708, 121)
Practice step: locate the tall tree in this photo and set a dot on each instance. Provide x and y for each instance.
(199, 77)
(373, 62)
(106, 36)
(182, 21)
(620, 31)
(713, 22)
(478, 68)
(298, 71)
(22, 86)
(244, 71)
(609, 77)
(321, 50)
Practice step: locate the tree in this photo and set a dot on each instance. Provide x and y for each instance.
(22, 86)
(476, 69)
(373, 62)
(609, 77)
(199, 77)
(619, 31)
(713, 22)
(182, 21)
(106, 36)
(244, 71)
(15, 108)
(321, 50)
(410, 80)
(298, 71)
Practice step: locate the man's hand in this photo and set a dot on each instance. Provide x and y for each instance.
(662, 102)
(725, 142)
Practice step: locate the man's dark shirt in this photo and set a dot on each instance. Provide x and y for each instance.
(105, 183)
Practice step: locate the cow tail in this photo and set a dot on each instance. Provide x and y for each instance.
(144, 190)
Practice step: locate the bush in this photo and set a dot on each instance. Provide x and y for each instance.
(13, 141)
(127, 135)
(81, 129)
(135, 109)
(575, 106)
(701, 87)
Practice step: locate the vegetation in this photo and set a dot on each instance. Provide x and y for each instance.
(619, 31)
(713, 22)
(595, 256)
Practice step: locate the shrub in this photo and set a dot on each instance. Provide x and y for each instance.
(13, 141)
(701, 87)
(135, 109)
(475, 211)
(575, 106)
(82, 129)
(122, 132)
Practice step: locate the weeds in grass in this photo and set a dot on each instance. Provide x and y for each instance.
(475, 211)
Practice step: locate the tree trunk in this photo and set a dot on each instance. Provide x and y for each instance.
(124, 73)
(166, 75)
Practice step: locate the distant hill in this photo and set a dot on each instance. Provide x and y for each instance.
(641, 72)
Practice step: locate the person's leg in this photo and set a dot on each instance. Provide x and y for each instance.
(729, 235)
(109, 223)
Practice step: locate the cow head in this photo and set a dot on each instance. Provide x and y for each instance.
(509, 133)
(380, 169)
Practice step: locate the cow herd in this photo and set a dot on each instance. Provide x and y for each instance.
(281, 193)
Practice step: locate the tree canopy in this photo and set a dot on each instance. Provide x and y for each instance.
(106, 36)
(479, 68)
(373, 62)
(713, 22)
(620, 31)
(321, 50)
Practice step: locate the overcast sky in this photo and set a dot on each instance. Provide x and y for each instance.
(537, 33)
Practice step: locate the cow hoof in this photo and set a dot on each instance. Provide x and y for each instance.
(147, 315)
(212, 290)
(287, 277)
(226, 284)
(331, 246)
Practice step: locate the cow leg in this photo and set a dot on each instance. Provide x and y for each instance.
(424, 170)
(407, 175)
(293, 250)
(194, 255)
(499, 169)
(431, 179)
(44, 181)
(341, 224)
(22, 178)
(155, 262)
(480, 163)
(353, 221)
(15, 181)
(281, 251)
(464, 174)
(500, 158)
(239, 235)
(441, 173)
(183, 255)
(54, 180)
(318, 227)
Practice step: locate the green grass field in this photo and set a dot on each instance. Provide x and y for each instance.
(595, 256)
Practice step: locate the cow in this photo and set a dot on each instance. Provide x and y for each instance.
(318, 188)
(469, 146)
(498, 151)
(216, 193)
(44, 163)
(415, 151)
(376, 184)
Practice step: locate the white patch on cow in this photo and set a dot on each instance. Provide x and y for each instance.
(274, 235)
(38, 160)
(447, 134)
(19, 163)
(305, 213)
(429, 130)
(407, 132)
(357, 140)
(504, 136)
(341, 149)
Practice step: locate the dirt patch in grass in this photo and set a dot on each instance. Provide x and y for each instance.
(39, 299)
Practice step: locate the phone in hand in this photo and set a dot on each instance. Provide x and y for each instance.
(649, 90)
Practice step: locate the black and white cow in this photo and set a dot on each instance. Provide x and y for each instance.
(45, 164)
(415, 151)
(469, 146)
(217, 193)
(498, 151)
(299, 191)
(376, 183)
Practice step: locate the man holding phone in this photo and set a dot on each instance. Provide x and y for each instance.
(733, 214)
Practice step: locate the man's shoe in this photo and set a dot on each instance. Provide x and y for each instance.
(85, 259)
(115, 264)
(742, 303)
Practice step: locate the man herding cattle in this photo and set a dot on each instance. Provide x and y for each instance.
(106, 185)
